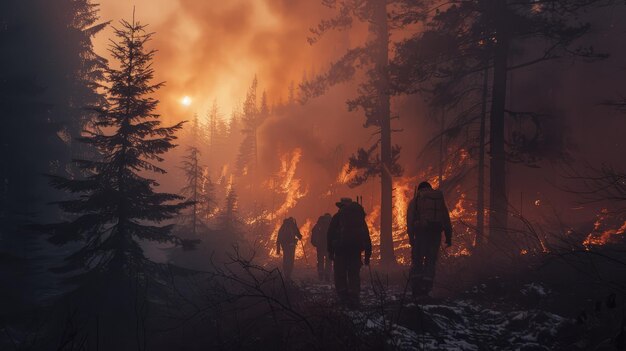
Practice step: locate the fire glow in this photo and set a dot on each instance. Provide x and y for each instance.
(602, 234)
(287, 185)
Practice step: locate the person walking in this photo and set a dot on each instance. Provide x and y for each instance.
(348, 237)
(427, 218)
(320, 242)
(288, 236)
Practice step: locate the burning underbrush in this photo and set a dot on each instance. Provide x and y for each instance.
(292, 188)
(606, 230)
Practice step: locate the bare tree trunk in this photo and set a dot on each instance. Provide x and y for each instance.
(213, 133)
(256, 153)
(195, 192)
(497, 175)
(387, 256)
(441, 146)
(480, 198)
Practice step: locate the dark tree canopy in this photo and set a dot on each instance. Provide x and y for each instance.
(251, 120)
(229, 218)
(117, 203)
(371, 59)
(45, 84)
(198, 190)
(463, 41)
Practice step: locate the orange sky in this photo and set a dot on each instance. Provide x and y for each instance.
(212, 49)
(209, 49)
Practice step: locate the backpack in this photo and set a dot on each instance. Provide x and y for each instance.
(318, 234)
(287, 232)
(351, 227)
(430, 209)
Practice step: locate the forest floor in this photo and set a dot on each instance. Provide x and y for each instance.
(545, 303)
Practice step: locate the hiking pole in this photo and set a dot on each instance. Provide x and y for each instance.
(306, 261)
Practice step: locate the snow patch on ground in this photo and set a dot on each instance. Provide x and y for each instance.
(463, 324)
(535, 289)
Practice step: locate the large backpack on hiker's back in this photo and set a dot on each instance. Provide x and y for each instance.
(286, 233)
(430, 210)
(319, 232)
(351, 227)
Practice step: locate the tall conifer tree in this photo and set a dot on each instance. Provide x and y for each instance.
(117, 202)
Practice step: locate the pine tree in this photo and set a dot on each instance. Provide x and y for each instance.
(117, 202)
(194, 132)
(468, 39)
(252, 119)
(234, 124)
(214, 129)
(49, 73)
(374, 97)
(198, 190)
(480, 191)
(228, 218)
(291, 97)
(45, 84)
(264, 110)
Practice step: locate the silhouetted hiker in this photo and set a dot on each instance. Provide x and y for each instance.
(427, 217)
(348, 236)
(288, 236)
(319, 239)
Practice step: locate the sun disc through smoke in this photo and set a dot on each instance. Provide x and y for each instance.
(186, 101)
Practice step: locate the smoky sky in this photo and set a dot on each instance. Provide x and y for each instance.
(212, 50)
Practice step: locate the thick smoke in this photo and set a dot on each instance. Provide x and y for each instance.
(212, 50)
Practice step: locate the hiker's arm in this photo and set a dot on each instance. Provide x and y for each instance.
(298, 234)
(279, 239)
(315, 234)
(330, 236)
(368, 243)
(447, 225)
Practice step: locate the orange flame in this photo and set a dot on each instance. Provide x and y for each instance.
(346, 175)
(463, 252)
(305, 230)
(286, 184)
(403, 189)
(598, 236)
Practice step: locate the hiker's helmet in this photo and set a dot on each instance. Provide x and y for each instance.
(424, 185)
(344, 201)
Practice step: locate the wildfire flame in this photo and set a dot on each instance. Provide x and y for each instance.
(601, 235)
(286, 184)
(305, 230)
(347, 174)
(460, 253)
(403, 191)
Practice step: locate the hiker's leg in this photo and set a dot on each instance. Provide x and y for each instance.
(288, 257)
(327, 267)
(341, 283)
(354, 278)
(320, 263)
(417, 265)
(431, 260)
